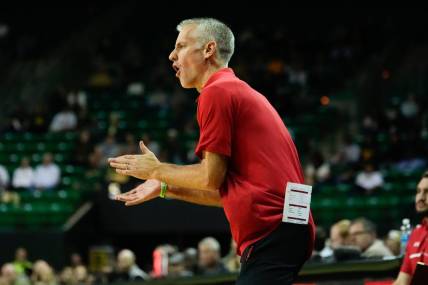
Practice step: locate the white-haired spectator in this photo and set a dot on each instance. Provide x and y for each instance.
(209, 258)
(47, 174)
(43, 274)
(23, 176)
(127, 268)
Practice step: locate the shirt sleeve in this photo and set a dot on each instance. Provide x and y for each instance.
(215, 122)
(406, 267)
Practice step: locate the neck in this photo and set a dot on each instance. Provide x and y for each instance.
(211, 69)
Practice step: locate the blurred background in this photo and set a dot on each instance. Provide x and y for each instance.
(81, 82)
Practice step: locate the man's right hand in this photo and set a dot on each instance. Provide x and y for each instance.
(142, 193)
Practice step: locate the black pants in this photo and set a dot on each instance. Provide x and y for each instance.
(277, 258)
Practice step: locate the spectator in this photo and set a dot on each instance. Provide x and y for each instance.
(209, 259)
(409, 108)
(66, 120)
(369, 179)
(75, 260)
(9, 276)
(318, 169)
(363, 235)
(23, 176)
(127, 269)
(177, 266)
(21, 263)
(47, 175)
(393, 242)
(43, 274)
(339, 237)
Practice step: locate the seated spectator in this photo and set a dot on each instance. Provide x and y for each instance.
(363, 235)
(369, 179)
(66, 120)
(339, 237)
(209, 257)
(4, 178)
(21, 263)
(23, 176)
(47, 175)
(393, 241)
(9, 276)
(177, 266)
(127, 269)
(317, 170)
(43, 274)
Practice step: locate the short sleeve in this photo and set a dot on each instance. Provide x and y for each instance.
(215, 122)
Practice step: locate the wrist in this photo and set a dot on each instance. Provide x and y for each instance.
(157, 172)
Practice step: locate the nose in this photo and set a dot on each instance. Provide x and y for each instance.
(172, 56)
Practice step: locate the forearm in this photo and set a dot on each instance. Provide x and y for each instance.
(195, 196)
(193, 176)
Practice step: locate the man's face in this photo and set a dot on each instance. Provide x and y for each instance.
(207, 256)
(360, 237)
(421, 199)
(188, 57)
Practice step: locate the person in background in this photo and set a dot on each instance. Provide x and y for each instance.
(363, 235)
(47, 174)
(209, 257)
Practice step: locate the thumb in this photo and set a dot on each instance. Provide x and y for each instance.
(143, 148)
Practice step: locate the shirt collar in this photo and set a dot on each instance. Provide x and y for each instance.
(218, 74)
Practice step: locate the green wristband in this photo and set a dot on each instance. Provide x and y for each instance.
(164, 189)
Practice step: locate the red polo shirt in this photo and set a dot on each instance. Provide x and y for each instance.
(240, 123)
(417, 248)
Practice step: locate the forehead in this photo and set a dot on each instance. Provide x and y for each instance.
(357, 226)
(187, 34)
(423, 184)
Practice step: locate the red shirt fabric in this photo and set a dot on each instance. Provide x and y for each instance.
(417, 248)
(238, 122)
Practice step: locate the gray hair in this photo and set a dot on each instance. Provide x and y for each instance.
(213, 30)
(368, 225)
(211, 243)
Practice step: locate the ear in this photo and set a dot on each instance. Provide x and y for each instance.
(210, 49)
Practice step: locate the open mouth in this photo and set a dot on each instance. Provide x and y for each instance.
(177, 70)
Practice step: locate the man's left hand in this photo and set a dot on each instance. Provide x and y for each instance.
(140, 166)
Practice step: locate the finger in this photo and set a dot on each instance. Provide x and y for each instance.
(122, 159)
(134, 202)
(143, 147)
(123, 171)
(119, 165)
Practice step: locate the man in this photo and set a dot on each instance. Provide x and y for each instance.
(209, 257)
(417, 246)
(363, 235)
(237, 171)
(47, 175)
(127, 268)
